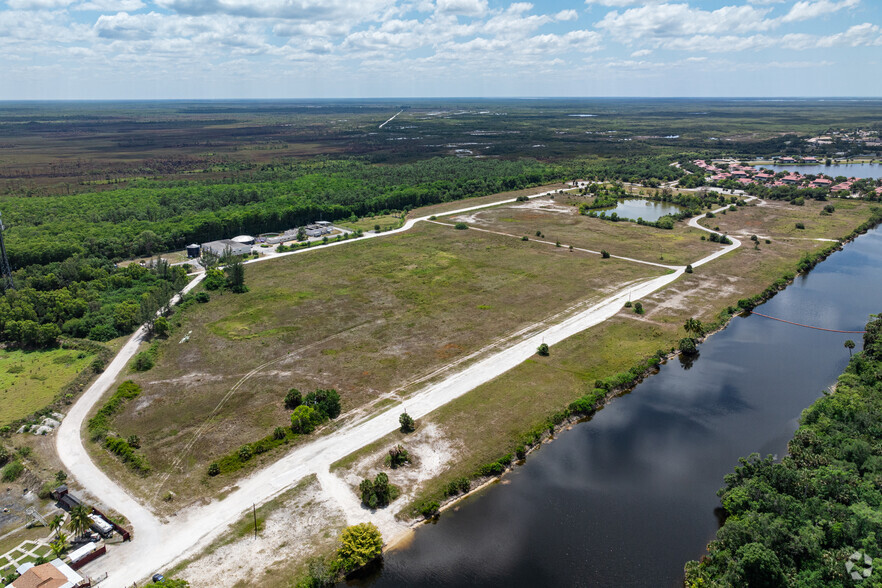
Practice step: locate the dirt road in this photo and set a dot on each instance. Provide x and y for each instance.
(160, 543)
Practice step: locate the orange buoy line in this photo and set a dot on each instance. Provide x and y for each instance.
(802, 325)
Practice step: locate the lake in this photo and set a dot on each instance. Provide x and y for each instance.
(648, 210)
(849, 170)
(626, 498)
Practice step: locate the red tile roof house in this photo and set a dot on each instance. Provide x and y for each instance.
(745, 181)
(840, 187)
(778, 184)
(739, 174)
(810, 160)
(821, 183)
(764, 176)
(879, 191)
(787, 160)
(792, 179)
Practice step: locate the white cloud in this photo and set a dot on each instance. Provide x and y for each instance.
(616, 3)
(660, 23)
(289, 9)
(464, 7)
(565, 15)
(805, 10)
(111, 5)
(38, 4)
(641, 53)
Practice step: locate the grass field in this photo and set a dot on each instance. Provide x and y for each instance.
(366, 318)
(440, 209)
(386, 222)
(30, 380)
(562, 223)
(500, 412)
(777, 219)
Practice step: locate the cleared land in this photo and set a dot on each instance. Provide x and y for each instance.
(562, 223)
(30, 380)
(366, 319)
(500, 412)
(775, 218)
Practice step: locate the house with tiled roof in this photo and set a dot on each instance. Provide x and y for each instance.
(55, 574)
(821, 183)
(792, 179)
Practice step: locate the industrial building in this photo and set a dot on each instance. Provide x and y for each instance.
(226, 247)
(318, 228)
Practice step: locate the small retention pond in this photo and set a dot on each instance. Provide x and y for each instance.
(849, 170)
(628, 497)
(648, 210)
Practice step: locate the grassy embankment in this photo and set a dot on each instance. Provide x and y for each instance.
(502, 414)
(367, 318)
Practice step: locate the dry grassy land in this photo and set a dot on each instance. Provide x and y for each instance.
(563, 223)
(501, 411)
(778, 219)
(439, 209)
(366, 319)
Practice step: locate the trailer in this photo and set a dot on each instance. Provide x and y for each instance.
(101, 526)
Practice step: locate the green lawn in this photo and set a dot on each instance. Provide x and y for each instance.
(30, 380)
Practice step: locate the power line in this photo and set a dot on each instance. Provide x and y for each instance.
(802, 325)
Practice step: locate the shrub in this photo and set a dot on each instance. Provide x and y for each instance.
(378, 493)
(143, 361)
(407, 423)
(800, 225)
(279, 433)
(293, 399)
(429, 509)
(687, 346)
(245, 453)
(214, 279)
(359, 545)
(460, 226)
(398, 456)
(525, 238)
(12, 471)
(638, 308)
(604, 254)
(542, 350)
(202, 297)
(325, 402)
(689, 269)
(628, 304)
(305, 419)
(213, 469)
(4, 455)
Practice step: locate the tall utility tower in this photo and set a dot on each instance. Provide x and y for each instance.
(5, 269)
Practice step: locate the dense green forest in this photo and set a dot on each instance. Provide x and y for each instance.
(796, 523)
(83, 298)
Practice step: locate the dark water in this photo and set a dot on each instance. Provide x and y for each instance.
(648, 210)
(849, 170)
(628, 497)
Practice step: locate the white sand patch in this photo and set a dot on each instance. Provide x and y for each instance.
(289, 533)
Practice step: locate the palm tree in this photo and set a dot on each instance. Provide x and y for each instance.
(56, 523)
(79, 519)
(694, 326)
(849, 345)
(59, 545)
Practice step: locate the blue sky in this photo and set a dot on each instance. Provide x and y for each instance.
(154, 49)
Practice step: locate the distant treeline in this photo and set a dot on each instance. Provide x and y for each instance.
(150, 217)
(797, 522)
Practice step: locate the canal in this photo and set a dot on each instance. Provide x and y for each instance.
(626, 498)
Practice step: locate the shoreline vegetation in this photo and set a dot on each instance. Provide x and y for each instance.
(800, 521)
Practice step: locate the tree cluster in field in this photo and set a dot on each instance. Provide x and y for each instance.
(797, 521)
(83, 298)
(378, 492)
(308, 412)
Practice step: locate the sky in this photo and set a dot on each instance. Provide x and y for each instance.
(245, 49)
